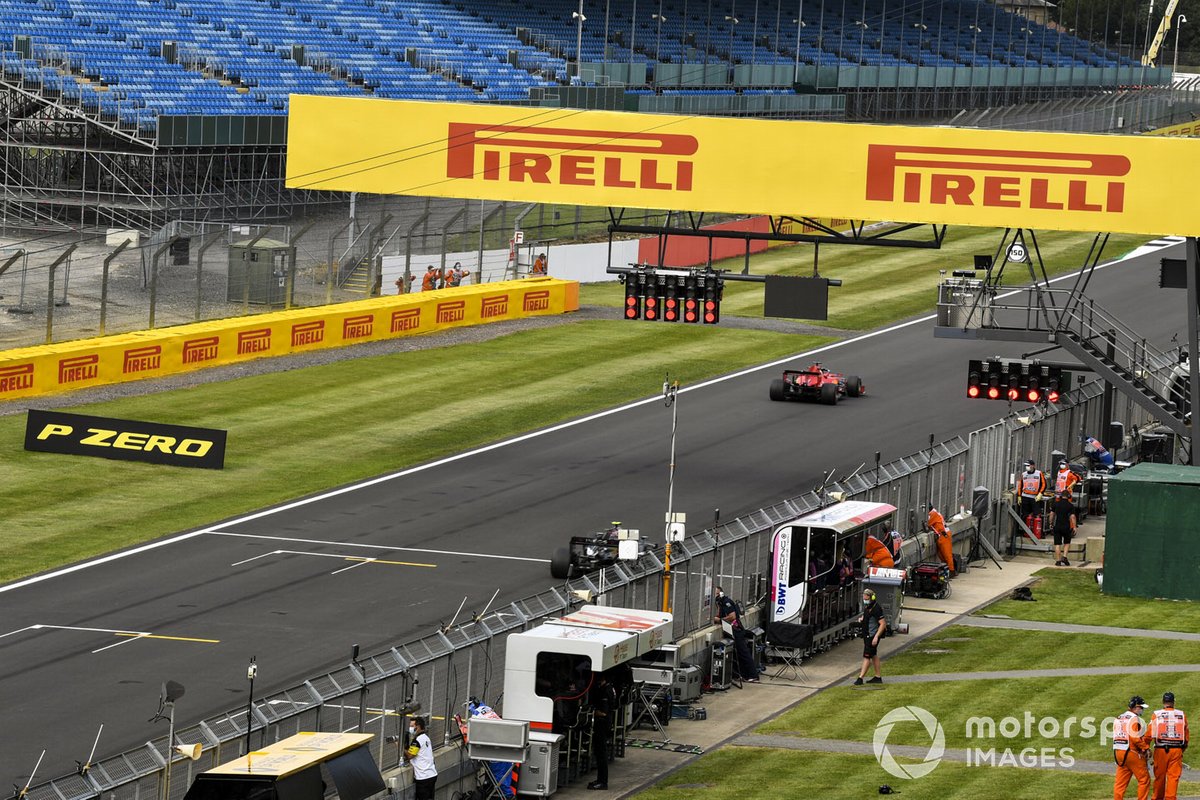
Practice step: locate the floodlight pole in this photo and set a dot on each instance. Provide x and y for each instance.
(670, 392)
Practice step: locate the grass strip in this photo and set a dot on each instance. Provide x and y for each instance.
(851, 713)
(963, 649)
(758, 773)
(1070, 595)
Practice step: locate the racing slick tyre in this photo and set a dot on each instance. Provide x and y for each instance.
(854, 386)
(829, 394)
(561, 566)
(777, 390)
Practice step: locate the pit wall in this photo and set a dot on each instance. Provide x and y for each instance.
(80, 364)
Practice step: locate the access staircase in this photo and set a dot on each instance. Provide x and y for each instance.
(1079, 326)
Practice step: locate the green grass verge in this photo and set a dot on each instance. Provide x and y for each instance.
(881, 285)
(959, 648)
(757, 773)
(845, 712)
(299, 432)
(1069, 595)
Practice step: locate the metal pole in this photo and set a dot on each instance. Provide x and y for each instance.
(104, 283)
(251, 673)
(670, 393)
(290, 285)
(216, 237)
(170, 746)
(331, 274)
(1193, 309)
(578, 60)
(50, 293)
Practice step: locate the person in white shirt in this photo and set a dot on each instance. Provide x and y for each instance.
(420, 758)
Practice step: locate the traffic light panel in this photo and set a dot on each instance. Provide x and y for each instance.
(673, 295)
(710, 309)
(670, 300)
(633, 296)
(1016, 381)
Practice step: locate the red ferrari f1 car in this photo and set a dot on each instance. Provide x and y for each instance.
(816, 383)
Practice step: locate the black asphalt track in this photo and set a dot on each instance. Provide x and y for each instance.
(281, 587)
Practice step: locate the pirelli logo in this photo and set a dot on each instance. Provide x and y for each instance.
(492, 307)
(16, 378)
(997, 178)
(306, 333)
(408, 319)
(570, 157)
(454, 311)
(255, 341)
(141, 359)
(358, 327)
(78, 368)
(536, 301)
(197, 351)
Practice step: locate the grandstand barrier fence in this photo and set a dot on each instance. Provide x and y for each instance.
(441, 670)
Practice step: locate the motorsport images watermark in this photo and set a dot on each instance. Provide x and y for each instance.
(992, 731)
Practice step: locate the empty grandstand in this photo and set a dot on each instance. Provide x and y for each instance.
(139, 112)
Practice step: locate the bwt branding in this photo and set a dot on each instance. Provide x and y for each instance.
(570, 157)
(997, 178)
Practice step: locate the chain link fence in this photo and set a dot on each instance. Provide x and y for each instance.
(58, 287)
(441, 671)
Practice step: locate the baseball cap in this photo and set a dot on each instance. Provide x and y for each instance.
(1137, 700)
(1169, 697)
(1029, 462)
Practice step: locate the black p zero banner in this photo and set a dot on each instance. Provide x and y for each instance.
(125, 440)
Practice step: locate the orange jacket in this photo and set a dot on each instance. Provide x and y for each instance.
(1131, 733)
(429, 282)
(936, 522)
(1169, 728)
(1031, 484)
(878, 554)
(1064, 481)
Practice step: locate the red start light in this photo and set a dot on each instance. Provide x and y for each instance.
(1053, 397)
(973, 391)
(1014, 394)
(993, 393)
(1034, 395)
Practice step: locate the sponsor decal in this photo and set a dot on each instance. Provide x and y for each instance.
(124, 440)
(196, 351)
(142, 359)
(407, 319)
(78, 368)
(305, 333)
(15, 378)
(570, 156)
(536, 301)
(491, 307)
(453, 311)
(1027, 179)
(358, 327)
(255, 341)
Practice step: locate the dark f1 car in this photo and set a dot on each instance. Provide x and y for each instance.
(586, 553)
(816, 383)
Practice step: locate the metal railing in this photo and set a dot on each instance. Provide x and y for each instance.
(442, 670)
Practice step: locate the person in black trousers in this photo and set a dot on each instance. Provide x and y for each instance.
(604, 708)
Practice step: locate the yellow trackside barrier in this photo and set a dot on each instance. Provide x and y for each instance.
(49, 369)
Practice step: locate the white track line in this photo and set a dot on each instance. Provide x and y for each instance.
(58, 573)
(369, 547)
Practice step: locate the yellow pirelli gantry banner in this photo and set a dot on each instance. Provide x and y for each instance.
(1063, 181)
(49, 369)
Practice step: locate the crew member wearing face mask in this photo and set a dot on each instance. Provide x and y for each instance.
(420, 758)
(1031, 486)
